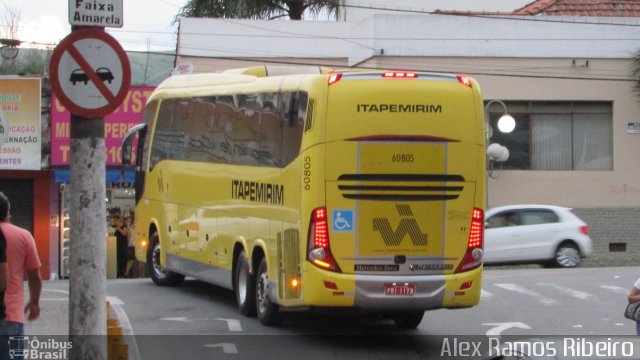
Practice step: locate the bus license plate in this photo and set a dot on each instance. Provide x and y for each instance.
(399, 289)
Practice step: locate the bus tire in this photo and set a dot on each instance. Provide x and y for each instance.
(266, 310)
(159, 274)
(245, 286)
(408, 320)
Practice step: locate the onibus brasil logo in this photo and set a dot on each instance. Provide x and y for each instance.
(25, 347)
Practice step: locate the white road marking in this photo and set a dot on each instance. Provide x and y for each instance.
(227, 348)
(233, 324)
(116, 304)
(485, 294)
(572, 292)
(56, 291)
(498, 328)
(524, 291)
(615, 289)
(179, 318)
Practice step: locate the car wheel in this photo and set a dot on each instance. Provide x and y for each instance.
(245, 286)
(567, 256)
(266, 310)
(159, 274)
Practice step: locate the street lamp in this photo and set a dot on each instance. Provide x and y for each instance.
(495, 151)
(506, 123)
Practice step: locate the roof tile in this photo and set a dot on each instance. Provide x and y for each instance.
(626, 8)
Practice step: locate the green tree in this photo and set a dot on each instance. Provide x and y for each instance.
(258, 9)
(28, 62)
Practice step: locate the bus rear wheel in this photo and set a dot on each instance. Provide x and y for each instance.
(159, 274)
(408, 320)
(245, 286)
(266, 310)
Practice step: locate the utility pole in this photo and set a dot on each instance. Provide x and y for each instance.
(87, 278)
(90, 74)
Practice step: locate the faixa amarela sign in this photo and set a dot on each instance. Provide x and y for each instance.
(101, 13)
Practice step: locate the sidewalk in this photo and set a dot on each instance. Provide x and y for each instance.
(53, 322)
(54, 309)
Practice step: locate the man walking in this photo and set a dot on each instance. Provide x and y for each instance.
(22, 258)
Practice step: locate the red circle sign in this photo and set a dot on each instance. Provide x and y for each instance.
(90, 73)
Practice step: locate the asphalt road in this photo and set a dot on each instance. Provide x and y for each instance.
(557, 308)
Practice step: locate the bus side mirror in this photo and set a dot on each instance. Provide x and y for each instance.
(127, 144)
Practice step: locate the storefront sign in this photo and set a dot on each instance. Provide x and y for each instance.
(116, 124)
(20, 102)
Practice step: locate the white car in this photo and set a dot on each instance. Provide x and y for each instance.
(535, 233)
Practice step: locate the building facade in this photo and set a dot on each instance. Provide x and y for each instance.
(566, 80)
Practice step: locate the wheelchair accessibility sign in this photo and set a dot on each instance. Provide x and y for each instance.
(342, 220)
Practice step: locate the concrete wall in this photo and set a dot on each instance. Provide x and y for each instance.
(411, 35)
(613, 230)
(356, 10)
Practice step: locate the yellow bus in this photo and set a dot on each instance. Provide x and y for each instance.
(356, 190)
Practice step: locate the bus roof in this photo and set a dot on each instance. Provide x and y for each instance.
(236, 76)
(270, 77)
(205, 79)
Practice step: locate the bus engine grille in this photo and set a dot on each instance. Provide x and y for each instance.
(401, 187)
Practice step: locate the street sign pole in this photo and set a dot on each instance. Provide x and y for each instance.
(87, 262)
(90, 74)
(87, 277)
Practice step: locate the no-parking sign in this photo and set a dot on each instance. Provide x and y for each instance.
(90, 73)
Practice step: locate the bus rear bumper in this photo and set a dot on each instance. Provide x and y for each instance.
(394, 292)
(423, 292)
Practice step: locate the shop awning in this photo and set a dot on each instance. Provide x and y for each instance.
(113, 176)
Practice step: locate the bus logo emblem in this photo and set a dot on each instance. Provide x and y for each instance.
(408, 226)
(343, 220)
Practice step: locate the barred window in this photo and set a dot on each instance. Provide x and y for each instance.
(557, 135)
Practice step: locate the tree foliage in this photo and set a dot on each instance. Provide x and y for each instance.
(28, 62)
(258, 9)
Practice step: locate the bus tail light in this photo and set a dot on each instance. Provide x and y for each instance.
(334, 78)
(465, 81)
(473, 256)
(318, 247)
(400, 75)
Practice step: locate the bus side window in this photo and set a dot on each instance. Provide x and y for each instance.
(169, 139)
(148, 117)
(246, 134)
(198, 128)
(224, 135)
(292, 125)
(161, 134)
